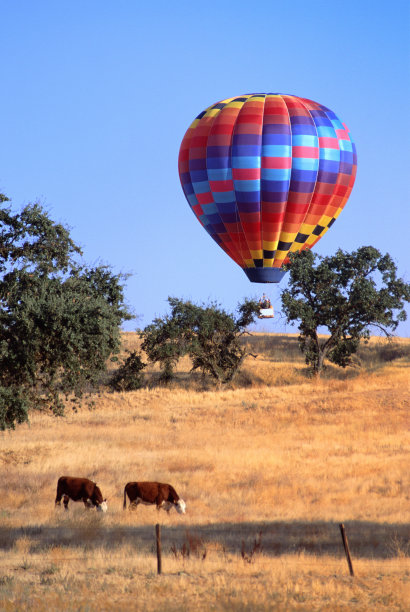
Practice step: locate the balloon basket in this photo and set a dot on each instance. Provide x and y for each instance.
(266, 313)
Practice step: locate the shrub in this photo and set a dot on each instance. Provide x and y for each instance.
(128, 377)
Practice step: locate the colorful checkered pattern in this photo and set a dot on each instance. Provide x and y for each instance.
(266, 174)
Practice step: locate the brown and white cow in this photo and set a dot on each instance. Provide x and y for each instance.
(80, 489)
(163, 495)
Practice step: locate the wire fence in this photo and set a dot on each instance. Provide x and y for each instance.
(193, 547)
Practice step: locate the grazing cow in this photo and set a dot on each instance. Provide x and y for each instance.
(80, 489)
(163, 495)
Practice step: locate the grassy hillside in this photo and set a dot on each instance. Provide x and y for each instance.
(268, 468)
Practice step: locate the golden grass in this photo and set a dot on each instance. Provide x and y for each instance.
(283, 458)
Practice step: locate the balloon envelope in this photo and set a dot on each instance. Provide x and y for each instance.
(266, 174)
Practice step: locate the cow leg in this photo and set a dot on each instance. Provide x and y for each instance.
(58, 496)
(65, 501)
(86, 501)
(133, 505)
(162, 506)
(159, 501)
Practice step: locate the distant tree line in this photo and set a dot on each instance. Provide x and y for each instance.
(60, 319)
(345, 294)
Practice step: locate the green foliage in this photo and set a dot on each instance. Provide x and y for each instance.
(13, 407)
(59, 320)
(347, 293)
(208, 334)
(128, 377)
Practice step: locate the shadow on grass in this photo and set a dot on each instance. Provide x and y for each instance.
(367, 540)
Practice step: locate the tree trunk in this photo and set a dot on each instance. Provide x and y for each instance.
(320, 361)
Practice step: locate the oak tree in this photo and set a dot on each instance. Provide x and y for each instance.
(207, 333)
(59, 319)
(347, 293)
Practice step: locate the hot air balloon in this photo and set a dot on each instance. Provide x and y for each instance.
(266, 175)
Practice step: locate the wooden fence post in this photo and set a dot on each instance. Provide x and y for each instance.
(158, 541)
(346, 547)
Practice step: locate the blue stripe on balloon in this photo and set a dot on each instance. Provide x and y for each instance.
(331, 154)
(192, 199)
(209, 209)
(201, 187)
(337, 124)
(327, 165)
(326, 131)
(199, 175)
(204, 219)
(215, 219)
(247, 197)
(188, 189)
(280, 150)
(345, 145)
(301, 120)
(217, 162)
(320, 118)
(304, 140)
(275, 186)
(309, 129)
(304, 175)
(305, 163)
(245, 150)
(264, 275)
(246, 162)
(219, 174)
(327, 177)
(276, 139)
(348, 156)
(251, 185)
(221, 197)
(275, 174)
(227, 207)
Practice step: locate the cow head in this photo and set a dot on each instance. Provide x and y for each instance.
(180, 506)
(103, 507)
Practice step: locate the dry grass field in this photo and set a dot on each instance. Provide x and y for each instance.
(268, 468)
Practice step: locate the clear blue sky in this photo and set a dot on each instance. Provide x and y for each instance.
(96, 97)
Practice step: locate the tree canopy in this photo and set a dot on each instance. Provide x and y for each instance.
(347, 293)
(207, 333)
(59, 319)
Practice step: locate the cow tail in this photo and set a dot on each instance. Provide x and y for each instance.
(125, 498)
